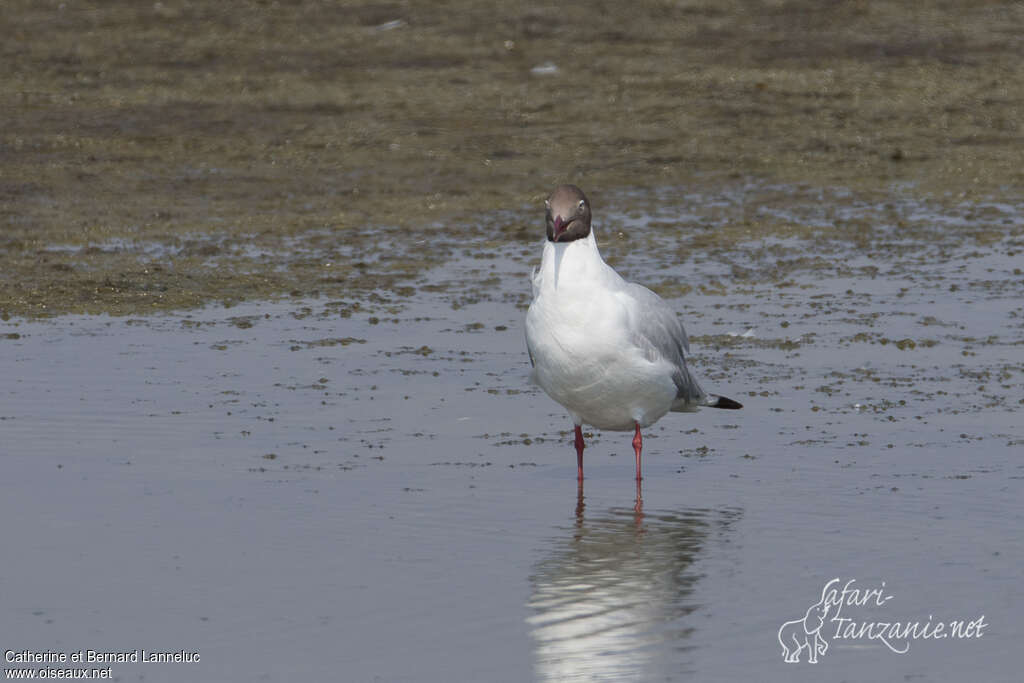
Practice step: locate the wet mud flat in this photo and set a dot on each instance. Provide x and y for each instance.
(369, 485)
(294, 432)
(163, 156)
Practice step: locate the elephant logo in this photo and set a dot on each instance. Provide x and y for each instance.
(800, 634)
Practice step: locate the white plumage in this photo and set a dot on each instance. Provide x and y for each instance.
(610, 351)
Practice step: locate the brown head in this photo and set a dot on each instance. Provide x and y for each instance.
(568, 214)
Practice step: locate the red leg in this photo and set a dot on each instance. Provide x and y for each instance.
(579, 453)
(638, 444)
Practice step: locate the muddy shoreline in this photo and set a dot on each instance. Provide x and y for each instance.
(169, 155)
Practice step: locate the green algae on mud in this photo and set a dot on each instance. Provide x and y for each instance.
(163, 156)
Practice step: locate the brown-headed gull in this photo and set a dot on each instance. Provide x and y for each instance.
(611, 352)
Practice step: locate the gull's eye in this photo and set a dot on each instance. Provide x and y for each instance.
(582, 204)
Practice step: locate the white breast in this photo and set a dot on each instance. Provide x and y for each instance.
(579, 333)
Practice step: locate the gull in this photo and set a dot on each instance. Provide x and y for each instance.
(611, 352)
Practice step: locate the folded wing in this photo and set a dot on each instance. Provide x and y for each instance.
(656, 329)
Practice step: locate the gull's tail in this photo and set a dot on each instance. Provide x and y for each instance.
(713, 401)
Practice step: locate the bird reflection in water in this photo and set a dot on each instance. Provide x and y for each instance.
(611, 601)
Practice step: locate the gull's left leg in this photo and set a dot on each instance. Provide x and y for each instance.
(579, 453)
(638, 444)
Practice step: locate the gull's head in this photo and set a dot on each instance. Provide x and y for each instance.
(568, 214)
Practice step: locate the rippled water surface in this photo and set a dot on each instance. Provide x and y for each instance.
(371, 490)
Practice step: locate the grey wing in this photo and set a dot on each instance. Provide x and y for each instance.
(659, 332)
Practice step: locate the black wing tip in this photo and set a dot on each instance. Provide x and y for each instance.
(727, 403)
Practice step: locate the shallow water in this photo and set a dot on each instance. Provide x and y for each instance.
(371, 490)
